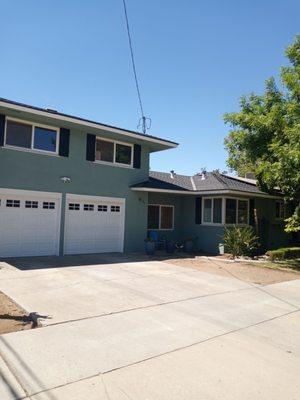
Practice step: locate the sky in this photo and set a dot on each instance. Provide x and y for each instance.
(194, 60)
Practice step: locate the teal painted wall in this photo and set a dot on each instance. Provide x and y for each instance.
(31, 171)
(271, 231)
(208, 237)
(172, 200)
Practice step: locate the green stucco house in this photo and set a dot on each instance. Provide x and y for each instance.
(73, 186)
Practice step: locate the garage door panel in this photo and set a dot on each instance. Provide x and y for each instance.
(96, 230)
(28, 231)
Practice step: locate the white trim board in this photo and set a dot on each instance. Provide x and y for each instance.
(35, 193)
(206, 193)
(82, 197)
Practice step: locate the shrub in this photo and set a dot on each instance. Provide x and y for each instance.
(284, 253)
(240, 241)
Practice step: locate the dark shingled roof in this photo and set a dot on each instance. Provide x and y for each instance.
(213, 182)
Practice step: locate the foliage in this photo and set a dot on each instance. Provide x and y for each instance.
(284, 253)
(240, 241)
(265, 135)
(293, 222)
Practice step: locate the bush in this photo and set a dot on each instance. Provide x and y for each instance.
(240, 241)
(284, 253)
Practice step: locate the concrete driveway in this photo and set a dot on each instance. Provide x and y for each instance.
(122, 329)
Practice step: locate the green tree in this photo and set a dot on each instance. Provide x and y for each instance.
(265, 134)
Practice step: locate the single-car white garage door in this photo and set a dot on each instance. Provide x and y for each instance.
(94, 224)
(29, 223)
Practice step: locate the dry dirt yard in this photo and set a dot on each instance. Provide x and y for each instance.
(246, 271)
(12, 317)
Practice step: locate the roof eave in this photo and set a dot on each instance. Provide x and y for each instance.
(206, 192)
(157, 143)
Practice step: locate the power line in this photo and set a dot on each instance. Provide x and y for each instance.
(144, 122)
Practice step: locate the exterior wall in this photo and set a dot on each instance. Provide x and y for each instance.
(39, 172)
(270, 230)
(208, 237)
(171, 200)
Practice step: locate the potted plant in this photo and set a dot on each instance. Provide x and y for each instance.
(149, 246)
(189, 244)
(170, 247)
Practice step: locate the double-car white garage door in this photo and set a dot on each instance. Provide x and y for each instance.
(30, 224)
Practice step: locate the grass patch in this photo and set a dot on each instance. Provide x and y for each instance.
(287, 265)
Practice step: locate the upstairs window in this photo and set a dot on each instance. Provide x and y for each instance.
(23, 135)
(123, 154)
(104, 151)
(18, 134)
(113, 152)
(44, 139)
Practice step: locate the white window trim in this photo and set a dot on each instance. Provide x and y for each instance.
(212, 211)
(114, 163)
(33, 126)
(281, 205)
(223, 223)
(159, 218)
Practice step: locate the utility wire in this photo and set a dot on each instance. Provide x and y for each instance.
(143, 120)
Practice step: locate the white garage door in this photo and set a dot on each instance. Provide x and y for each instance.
(94, 224)
(29, 223)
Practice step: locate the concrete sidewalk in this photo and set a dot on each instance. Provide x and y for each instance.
(151, 331)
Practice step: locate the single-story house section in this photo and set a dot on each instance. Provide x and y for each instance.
(200, 206)
(69, 185)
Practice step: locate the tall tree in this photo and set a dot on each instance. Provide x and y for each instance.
(265, 135)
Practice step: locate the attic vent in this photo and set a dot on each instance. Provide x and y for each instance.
(172, 174)
(51, 110)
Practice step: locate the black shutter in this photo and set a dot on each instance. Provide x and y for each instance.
(137, 156)
(198, 210)
(64, 142)
(2, 126)
(90, 147)
(251, 212)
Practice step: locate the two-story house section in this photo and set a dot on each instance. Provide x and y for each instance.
(65, 183)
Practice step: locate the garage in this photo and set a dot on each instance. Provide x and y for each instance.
(29, 223)
(94, 224)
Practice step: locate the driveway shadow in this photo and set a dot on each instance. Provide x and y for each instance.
(34, 263)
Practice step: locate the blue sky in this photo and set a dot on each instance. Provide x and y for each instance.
(194, 59)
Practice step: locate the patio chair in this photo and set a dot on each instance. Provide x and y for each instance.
(160, 243)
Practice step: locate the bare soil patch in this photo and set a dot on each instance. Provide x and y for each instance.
(246, 271)
(12, 317)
